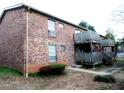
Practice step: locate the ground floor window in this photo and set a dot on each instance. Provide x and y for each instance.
(52, 53)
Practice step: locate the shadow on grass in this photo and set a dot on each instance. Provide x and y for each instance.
(97, 67)
(38, 74)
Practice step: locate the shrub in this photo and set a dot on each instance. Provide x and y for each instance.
(106, 78)
(52, 69)
(106, 62)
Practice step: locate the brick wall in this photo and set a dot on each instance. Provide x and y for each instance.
(12, 37)
(39, 40)
(13, 41)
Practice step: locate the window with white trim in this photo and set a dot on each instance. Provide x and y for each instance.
(61, 25)
(52, 53)
(51, 28)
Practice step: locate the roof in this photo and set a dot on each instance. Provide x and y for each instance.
(37, 11)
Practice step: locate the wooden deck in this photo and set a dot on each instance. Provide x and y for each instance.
(84, 37)
(107, 42)
(96, 43)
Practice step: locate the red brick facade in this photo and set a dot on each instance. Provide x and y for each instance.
(13, 40)
(12, 37)
(39, 40)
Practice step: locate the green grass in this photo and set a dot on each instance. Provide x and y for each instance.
(35, 74)
(6, 71)
(119, 62)
(99, 67)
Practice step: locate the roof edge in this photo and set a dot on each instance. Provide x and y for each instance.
(36, 10)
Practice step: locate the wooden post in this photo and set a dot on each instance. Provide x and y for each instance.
(91, 49)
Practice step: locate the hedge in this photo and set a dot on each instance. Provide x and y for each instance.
(105, 78)
(52, 69)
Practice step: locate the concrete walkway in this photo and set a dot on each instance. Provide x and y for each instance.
(112, 70)
(95, 72)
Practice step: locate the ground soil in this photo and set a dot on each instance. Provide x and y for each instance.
(70, 80)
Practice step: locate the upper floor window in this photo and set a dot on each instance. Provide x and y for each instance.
(61, 25)
(51, 28)
(62, 47)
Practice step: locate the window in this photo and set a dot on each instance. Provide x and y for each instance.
(61, 25)
(62, 48)
(52, 53)
(77, 31)
(51, 28)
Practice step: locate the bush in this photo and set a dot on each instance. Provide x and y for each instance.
(52, 69)
(107, 62)
(106, 78)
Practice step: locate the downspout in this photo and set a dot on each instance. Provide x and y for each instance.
(27, 28)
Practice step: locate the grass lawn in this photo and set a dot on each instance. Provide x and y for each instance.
(119, 62)
(72, 80)
(5, 71)
(98, 67)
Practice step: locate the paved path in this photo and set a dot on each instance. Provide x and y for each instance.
(109, 71)
(88, 71)
(112, 70)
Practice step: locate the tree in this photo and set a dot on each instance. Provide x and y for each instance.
(91, 28)
(83, 24)
(123, 39)
(87, 26)
(109, 34)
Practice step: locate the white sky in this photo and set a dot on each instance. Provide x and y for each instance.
(95, 12)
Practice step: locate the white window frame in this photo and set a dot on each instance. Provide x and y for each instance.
(51, 28)
(61, 25)
(52, 55)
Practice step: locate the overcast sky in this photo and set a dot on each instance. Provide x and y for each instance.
(95, 12)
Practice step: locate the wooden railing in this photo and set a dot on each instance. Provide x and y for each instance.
(89, 57)
(107, 42)
(94, 57)
(86, 37)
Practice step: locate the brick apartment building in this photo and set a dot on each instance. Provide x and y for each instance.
(30, 39)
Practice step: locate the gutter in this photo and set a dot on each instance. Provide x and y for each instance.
(27, 40)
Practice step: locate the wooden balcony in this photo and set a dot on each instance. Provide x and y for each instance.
(85, 37)
(93, 58)
(107, 42)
